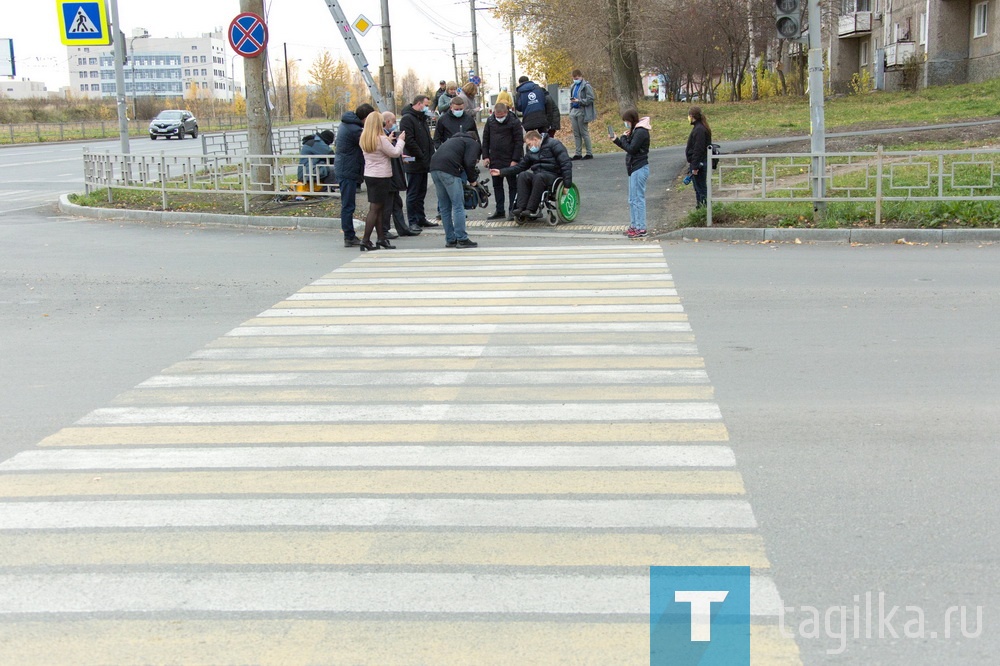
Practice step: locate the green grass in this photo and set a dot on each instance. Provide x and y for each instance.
(788, 116)
(216, 202)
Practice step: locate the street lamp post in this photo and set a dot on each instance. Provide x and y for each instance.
(131, 49)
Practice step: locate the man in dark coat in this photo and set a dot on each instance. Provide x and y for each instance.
(503, 146)
(456, 121)
(349, 167)
(417, 159)
(538, 110)
(315, 167)
(452, 166)
(545, 160)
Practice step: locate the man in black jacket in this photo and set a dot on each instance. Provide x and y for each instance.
(452, 166)
(503, 146)
(455, 122)
(538, 110)
(349, 167)
(417, 159)
(545, 160)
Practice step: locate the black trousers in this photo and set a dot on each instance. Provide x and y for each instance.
(416, 193)
(531, 185)
(393, 212)
(498, 193)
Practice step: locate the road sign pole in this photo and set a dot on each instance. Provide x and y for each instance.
(120, 78)
(816, 111)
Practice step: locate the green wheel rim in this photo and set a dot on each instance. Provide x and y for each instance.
(569, 202)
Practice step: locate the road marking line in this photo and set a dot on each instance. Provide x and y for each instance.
(450, 351)
(382, 513)
(374, 457)
(277, 328)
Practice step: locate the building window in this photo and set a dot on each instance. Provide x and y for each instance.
(194, 47)
(203, 58)
(83, 75)
(95, 87)
(187, 59)
(94, 74)
(982, 16)
(187, 72)
(852, 6)
(923, 28)
(81, 61)
(864, 53)
(93, 61)
(83, 87)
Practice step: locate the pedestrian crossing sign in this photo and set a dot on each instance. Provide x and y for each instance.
(83, 23)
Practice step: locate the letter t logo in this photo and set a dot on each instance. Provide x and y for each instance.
(701, 610)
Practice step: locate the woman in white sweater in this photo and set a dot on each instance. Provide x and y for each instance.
(378, 150)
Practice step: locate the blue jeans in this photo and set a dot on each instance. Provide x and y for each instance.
(348, 190)
(637, 197)
(451, 200)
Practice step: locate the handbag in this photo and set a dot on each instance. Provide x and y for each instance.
(397, 183)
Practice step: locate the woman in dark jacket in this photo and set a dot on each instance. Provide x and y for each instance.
(697, 153)
(635, 143)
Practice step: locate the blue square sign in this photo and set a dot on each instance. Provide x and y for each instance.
(83, 23)
(699, 616)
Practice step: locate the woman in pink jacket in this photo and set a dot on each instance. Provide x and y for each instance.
(378, 150)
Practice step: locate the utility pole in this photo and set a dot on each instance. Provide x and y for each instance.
(120, 78)
(258, 129)
(816, 111)
(288, 83)
(475, 39)
(513, 68)
(389, 84)
(454, 61)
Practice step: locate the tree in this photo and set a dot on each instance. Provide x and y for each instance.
(408, 87)
(328, 76)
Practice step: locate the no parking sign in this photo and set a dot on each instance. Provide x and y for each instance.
(248, 35)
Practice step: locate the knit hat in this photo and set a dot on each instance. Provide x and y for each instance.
(327, 137)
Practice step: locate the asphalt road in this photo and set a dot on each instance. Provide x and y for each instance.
(858, 384)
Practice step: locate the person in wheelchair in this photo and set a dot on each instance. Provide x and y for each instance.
(544, 161)
(316, 166)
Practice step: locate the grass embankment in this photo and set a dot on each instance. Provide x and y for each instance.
(224, 203)
(789, 116)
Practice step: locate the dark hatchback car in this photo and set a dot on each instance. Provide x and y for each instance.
(173, 123)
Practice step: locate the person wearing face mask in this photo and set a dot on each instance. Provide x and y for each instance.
(503, 146)
(545, 160)
(697, 153)
(582, 112)
(635, 143)
(456, 121)
(417, 159)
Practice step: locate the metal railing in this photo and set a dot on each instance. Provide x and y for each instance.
(97, 129)
(246, 176)
(855, 177)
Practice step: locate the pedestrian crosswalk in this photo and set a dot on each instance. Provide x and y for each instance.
(424, 457)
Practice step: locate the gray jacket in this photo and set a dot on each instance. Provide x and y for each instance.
(587, 101)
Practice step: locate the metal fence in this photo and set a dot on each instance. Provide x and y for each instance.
(97, 129)
(855, 177)
(246, 176)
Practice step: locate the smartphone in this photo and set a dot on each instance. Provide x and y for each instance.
(611, 132)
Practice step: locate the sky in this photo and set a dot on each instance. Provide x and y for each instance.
(422, 34)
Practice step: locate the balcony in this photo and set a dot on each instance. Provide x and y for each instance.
(897, 54)
(856, 24)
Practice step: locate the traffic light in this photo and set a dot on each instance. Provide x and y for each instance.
(788, 19)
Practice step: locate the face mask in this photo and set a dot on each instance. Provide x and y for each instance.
(576, 80)
(534, 149)
(501, 120)
(427, 111)
(459, 113)
(628, 125)
(394, 128)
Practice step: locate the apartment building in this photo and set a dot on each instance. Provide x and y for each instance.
(157, 66)
(953, 41)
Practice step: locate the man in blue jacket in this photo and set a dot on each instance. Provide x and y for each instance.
(349, 168)
(317, 170)
(538, 111)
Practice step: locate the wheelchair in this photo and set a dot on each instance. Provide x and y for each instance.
(560, 204)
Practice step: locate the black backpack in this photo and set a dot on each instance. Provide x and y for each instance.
(716, 150)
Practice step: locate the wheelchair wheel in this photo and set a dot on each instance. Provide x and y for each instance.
(553, 218)
(567, 202)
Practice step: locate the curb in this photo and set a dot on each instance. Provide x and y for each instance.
(863, 236)
(264, 222)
